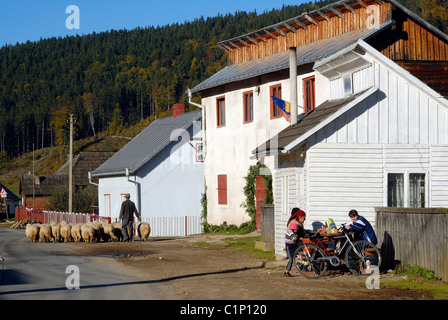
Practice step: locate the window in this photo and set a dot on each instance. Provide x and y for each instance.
(200, 156)
(222, 189)
(406, 190)
(107, 205)
(221, 111)
(248, 106)
(395, 187)
(417, 190)
(275, 91)
(348, 87)
(309, 100)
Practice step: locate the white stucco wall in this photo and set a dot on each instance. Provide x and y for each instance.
(229, 148)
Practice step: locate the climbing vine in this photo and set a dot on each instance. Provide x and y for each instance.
(249, 190)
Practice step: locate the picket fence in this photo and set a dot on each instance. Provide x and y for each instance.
(182, 226)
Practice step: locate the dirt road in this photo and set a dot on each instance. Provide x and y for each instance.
(189, 271)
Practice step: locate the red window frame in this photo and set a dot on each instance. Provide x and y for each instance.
(222, 189)
(275, 91)
(248, 107)
(221, 111)
(309, 94)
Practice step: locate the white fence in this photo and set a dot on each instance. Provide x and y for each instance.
(174, 226)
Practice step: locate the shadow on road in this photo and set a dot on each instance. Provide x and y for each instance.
(98, 286)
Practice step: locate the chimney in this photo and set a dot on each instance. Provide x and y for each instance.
(293, 83)
(178, 109)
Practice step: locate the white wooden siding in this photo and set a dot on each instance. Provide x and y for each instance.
(400, 113)
(287, 184)
(343, 177)
(439, 176)
(361, 80)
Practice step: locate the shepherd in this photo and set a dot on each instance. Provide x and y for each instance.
(127, 212)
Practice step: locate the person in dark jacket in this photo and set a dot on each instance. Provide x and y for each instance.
(362, 227)
(127, 216)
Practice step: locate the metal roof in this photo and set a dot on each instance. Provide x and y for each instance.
(279, 61)
(145, 146)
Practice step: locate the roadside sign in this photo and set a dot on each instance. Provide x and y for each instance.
(3, 193)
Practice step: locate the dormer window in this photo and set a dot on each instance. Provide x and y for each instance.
(348, 85)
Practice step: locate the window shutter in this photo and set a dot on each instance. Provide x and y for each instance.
(222, 189)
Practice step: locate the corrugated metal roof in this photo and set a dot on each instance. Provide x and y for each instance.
(146, 145)
(279, 61)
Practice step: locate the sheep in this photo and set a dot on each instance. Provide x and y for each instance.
(97, 230)
(88, 232)
(56, 232)
(108, 232)
(66, 231)
(143, 229)
(45, 233)
(118, 230)
(76, 232)
(32, 232)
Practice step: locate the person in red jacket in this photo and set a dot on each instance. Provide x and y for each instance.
(293, 235)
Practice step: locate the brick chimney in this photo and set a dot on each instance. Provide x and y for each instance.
(178, 109)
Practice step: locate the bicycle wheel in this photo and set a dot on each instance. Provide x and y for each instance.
(307, 263)
(362, 257)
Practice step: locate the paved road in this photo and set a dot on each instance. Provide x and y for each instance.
(38, 271)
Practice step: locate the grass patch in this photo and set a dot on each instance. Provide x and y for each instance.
(248, 244)
(432, 290)
(419, 279)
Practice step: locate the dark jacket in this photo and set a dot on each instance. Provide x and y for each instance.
(364, 229)
(127, 210)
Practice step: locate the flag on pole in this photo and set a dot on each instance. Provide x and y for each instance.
(284, 106)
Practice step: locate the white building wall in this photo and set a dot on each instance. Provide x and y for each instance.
(229, 148)
(403, 128)
(170, 185)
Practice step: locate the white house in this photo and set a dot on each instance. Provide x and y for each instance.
(371, 98)
(162, 169)
(381, 139)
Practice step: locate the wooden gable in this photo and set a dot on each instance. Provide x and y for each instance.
(327, 22)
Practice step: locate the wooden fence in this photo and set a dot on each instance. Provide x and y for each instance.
(414, 237)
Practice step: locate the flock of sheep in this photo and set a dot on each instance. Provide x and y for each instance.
(87, 232)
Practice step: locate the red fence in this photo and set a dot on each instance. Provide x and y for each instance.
(44, 216)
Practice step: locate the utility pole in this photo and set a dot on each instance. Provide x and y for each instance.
(70, 172)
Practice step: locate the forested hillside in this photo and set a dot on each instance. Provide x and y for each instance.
(117, 78)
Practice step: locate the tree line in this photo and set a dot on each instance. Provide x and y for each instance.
(117, 78)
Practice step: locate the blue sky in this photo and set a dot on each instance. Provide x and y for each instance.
(22, 20)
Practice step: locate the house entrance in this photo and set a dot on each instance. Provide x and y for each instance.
(260, 196)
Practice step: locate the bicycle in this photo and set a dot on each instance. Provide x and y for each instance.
(312, 257)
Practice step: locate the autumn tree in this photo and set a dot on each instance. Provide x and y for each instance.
(90, 106)
(60, 126)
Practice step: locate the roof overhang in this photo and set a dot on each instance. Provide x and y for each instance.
(292, 25)
(293, 137)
